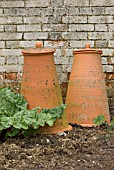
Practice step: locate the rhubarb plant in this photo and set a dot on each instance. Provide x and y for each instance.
(16, 119)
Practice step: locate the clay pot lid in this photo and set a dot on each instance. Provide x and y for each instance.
(87, 49)
(38, 50)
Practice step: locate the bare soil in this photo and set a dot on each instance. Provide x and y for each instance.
(79, 149)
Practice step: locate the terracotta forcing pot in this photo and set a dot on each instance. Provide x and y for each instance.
(86, 95)
(40, 85)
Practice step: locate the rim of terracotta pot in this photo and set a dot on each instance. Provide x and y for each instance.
(38, 50)
(87, 49)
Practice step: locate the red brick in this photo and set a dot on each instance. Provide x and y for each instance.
(11, 76)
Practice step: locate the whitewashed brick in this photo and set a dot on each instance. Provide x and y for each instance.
(107, 68)
(10, 36)
(20, 60)
(2, 44)
(35, 36)
(11, 60)
(104, 60)
(1, 28)
(80, 44)
(100, 35)
(28, 28)
(76, 3)
(10, 20)
(108, 52)
(35, 20)
(111, 27)
(10, 52)
(11, 4)
(2, 60)
(74, 19)
(101, 3)
(100, 19)
(110, 10)
(101, 27)
(1, 11)
(27, 44)
(81, 27)
(37, 3)
(111, 43)
(11, 68)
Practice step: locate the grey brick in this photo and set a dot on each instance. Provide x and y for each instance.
(101, 3)
(10, 36)
(12, 44)
(73, 11)
(54, 27)
(101, 44)
(76, 3)
(10, 28)
(9, 12)
(47, 11)
(57, 3)
(12, 4)
(35, 35)
(55, 36)
(60, 11)
(74, 36)
(92, 10)
(28, 28)
(28, 11)
(37, 3)
(74, 19)
(100, 19)
(54, 19)
(81, 27)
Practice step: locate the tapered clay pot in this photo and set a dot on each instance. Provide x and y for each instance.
(40, 85)
(86, 94)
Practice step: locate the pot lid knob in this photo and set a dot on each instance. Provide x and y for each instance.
(87, 45)
(38, 44)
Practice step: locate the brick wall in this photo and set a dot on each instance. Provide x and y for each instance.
(63, 24)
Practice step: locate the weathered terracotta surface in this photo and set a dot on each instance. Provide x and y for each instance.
(86, 94)
(40, 85)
